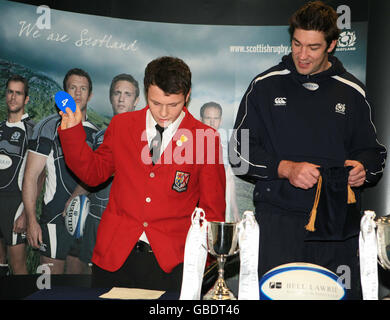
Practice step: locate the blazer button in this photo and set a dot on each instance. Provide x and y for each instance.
(145, 224)
(148, 199)
(152, 175)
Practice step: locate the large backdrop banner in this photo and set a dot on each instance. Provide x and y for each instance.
(42, 44)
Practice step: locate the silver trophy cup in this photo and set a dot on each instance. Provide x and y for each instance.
(383, 241)
(222, 241)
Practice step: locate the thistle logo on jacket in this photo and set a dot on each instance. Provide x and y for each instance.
(181, 181)
(340, 108)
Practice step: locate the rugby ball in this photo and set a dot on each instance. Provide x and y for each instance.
(76, 214)
(301, 281)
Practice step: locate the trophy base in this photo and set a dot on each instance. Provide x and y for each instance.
(219, 292)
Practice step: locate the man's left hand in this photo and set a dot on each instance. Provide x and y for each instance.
(357, 175)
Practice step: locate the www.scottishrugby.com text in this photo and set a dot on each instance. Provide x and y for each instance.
(261, 48)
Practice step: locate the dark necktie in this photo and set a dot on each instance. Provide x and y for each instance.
(155, 144)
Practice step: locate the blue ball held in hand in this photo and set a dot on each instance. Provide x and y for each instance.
(64, 100)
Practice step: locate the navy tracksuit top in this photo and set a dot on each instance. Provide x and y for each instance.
(323, 119)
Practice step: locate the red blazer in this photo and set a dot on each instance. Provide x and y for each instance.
(156, 199)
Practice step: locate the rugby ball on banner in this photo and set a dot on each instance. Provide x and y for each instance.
(76, 214)
(301, 281)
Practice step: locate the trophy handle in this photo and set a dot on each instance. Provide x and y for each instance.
(383, 247)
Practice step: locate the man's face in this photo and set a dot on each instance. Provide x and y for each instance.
(123, 98)
(165, 108)
(15, 98)
(78, 88)
(310, 51)
(212, 117)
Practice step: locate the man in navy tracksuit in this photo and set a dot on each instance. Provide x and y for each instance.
(305, 114)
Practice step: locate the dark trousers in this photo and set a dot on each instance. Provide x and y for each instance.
(140, 270)
(282, 240)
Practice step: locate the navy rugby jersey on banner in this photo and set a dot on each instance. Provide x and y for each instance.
(13, 147)
(60, 181)
(99, 199)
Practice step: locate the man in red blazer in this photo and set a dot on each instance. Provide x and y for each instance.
(159, 179)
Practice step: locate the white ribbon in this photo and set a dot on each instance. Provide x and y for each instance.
(248, 240)
(368, 253)
(195, 254)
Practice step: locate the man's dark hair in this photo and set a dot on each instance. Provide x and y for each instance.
(210, 104)
(171, 75)
(18, 78)
(78, 72)
(316, 16)
(124, 77)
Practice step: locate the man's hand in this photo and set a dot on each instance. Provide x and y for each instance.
(357, 175)
(79, 190)
(70, 119)
(34, 234)
(20, 223)
(302, 175)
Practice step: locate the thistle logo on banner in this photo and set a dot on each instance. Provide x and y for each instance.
(181, 181)
(347, 41)
(15, 136)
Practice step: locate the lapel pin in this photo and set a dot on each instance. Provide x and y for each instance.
(182, 139)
